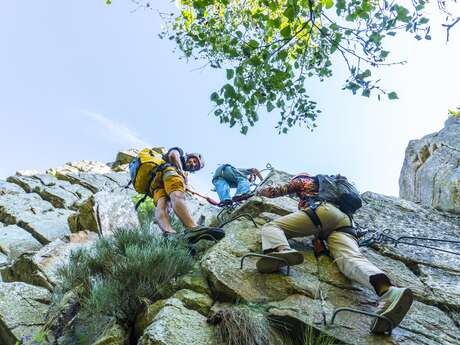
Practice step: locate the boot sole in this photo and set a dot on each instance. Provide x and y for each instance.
(293, 258)
(269, 265)
(395, 314)
(217, 234)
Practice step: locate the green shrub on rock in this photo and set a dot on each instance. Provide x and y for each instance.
(145, 211)
(119, 273)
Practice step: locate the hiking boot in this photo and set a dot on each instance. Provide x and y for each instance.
(204, 232)
(225, 203)
(268, 265)
(242, 197)
(394, 305)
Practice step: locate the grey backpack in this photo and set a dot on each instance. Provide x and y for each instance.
(337, 190)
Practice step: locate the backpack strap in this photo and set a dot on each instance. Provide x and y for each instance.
(140, 201)
(348, 230)
(318, 242)
(152, 177)
(311, 212)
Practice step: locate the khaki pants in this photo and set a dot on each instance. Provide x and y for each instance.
(342, 247)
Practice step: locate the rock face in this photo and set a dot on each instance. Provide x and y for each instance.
(293, 299)
(15, 241)
(37, 216)
(43, 217)
(104, 212)
(22, 312)
(176, 325)
(431, 171)
(39, 269)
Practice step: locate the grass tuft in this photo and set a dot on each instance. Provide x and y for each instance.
(241, 325)
(116, 275)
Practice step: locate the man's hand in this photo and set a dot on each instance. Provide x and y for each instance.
(184, 174)
(263, 192)
(254, 174)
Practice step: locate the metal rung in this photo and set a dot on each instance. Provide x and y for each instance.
(222, 213)
(398, 240)
(245, 215)
(265, 256)
(356, 311)
(205, 236)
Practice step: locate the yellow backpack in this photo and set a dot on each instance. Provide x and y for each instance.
(144, 167)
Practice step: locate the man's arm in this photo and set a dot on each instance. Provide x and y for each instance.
(174, 156)
(252, 173)
(292, 187)
(255, 172)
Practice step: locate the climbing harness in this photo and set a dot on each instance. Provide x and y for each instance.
(383, 237)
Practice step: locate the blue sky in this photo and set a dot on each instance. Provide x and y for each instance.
(82, 80)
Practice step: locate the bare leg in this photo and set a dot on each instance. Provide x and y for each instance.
(180, 208)
(161, 215)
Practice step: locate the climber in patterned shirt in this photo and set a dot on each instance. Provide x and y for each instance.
(327, 222)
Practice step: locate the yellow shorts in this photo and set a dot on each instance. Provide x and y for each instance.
(166, 182)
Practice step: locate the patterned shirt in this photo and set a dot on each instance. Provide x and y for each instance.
(303, 187)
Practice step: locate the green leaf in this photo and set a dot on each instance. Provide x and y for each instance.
(375, 37)
(340, 4)
(229, 91)
(270, 106)
(393, 95)
(384, 54)
(108, 2)
(244, 130)
(214, 97)
(454, 112)
(328, 3)
(423, 20)
(253, 44)
(365, 74)
(230, 74)
(286, 32)
(282, 55)
(289, 13)
(366, 93)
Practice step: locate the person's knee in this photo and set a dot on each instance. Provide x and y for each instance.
(162, 206)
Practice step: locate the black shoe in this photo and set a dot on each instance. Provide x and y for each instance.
(225, 203)
(204, 232)
(242, 197)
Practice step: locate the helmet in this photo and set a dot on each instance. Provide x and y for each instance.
(198, 156)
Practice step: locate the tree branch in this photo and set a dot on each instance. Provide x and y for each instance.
(450, 26)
